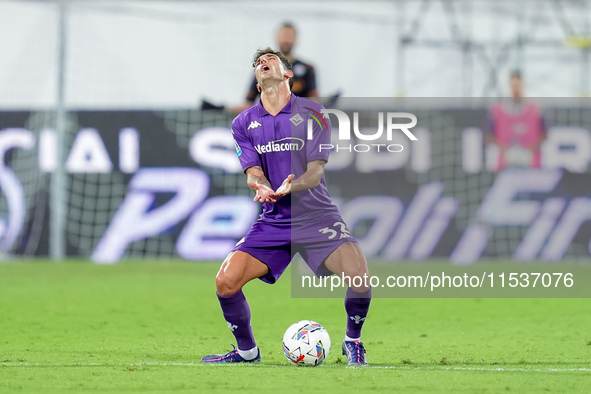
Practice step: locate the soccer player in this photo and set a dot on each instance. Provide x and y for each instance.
(517, 127)
(285, 170)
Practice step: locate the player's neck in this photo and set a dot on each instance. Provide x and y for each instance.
(275, 97)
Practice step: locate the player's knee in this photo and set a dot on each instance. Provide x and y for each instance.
(359, 277)
(356, 269)
(226, 285)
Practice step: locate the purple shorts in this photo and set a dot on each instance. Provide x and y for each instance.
(276, 243)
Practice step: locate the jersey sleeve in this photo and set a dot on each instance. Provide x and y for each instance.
(247, 155)
(317, 148)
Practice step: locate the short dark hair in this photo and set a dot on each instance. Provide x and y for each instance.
(286, 63)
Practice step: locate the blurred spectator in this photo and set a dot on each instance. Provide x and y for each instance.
(304, 80)
(517, 127)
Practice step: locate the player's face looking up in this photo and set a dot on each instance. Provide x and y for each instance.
(269, 67)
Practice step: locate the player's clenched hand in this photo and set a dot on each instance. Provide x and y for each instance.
(263, 192)
(285, 188)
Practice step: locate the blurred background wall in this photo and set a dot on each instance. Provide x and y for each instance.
(163, 54)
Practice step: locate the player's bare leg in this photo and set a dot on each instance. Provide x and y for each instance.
(348, 260)
(237, 269)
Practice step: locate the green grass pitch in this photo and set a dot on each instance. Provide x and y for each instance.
(143, 326)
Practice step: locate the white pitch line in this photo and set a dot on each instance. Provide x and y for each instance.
(401, 368)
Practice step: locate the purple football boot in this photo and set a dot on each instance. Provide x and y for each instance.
(355, 352)
(230, 357)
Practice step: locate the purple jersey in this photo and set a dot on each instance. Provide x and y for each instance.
(280, 146)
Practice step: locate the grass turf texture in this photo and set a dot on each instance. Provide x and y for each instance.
(143, 326)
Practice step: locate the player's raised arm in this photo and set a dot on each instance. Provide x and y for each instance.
(258, 183)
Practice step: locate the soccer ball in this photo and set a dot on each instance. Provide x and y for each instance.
(306, 343)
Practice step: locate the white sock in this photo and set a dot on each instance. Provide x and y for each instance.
(347, 339)
(249, 354)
